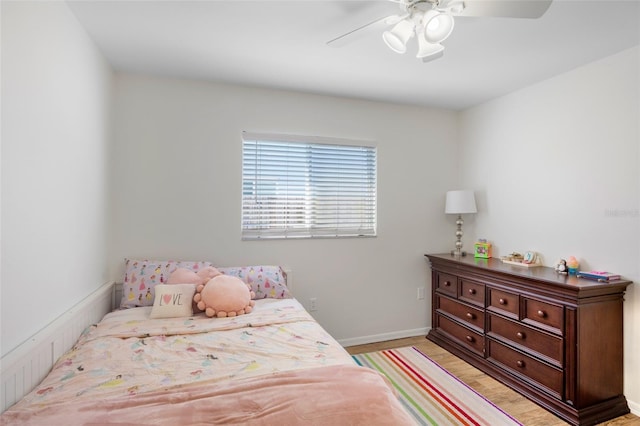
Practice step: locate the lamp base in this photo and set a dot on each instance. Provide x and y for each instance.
(458, 250)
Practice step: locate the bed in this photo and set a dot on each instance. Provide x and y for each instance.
(275, 365)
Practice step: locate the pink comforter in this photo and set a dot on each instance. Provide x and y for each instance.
(330, 395)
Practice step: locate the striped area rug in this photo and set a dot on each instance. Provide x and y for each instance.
(430, 393)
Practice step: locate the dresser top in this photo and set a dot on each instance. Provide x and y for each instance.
(537, 273)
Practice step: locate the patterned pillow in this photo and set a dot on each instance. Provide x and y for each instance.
(173, 300)
(141, 276)
(265, 281)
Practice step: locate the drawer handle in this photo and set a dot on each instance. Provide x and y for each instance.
(542, 314)
(470, 315)
(470, 339)
(447, 283)
(520, 363)
(520, 335)
(472, 291)
(502, 301)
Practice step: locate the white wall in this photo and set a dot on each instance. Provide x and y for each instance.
(177, 193)
(56, 91)
(555, 168)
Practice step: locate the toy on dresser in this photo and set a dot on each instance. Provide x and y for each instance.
(561, 267)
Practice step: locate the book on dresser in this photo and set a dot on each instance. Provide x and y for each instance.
(556, 339)
(599, 275)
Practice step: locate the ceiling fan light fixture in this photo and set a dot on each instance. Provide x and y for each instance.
(452, 6)
(426, 49)
(437, 26)
(398, 36)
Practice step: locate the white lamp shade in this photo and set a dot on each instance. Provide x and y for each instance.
(426, 49)
(398, 36)
(437, 26)
(460, 202)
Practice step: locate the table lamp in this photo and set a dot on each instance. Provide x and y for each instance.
(460, 202)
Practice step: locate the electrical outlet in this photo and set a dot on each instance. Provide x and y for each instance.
(313, 304)
(420, 293)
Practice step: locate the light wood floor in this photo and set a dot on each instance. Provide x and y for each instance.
(525, 411)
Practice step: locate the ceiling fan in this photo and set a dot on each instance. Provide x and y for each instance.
(431, 21)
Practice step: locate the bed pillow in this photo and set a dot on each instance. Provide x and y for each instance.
(173, 300)
(141, 277)
(265, 281)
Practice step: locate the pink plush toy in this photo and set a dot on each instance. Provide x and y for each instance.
(187, 276)
(224, 296)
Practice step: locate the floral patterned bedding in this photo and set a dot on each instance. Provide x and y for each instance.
(275, 365)
(129, 354)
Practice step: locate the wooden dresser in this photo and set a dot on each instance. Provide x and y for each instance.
(556, 339)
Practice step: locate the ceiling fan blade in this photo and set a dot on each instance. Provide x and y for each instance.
(531, 9)
(364, 29)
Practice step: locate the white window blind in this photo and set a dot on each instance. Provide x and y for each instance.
(300, 187)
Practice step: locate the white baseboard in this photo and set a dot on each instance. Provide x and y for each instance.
(374, 338)
(634, 407)
(24, 367)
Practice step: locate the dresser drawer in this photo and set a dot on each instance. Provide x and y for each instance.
(472, 292)
(504, 302)
(542, 375)
(470, 339)
(546, 345)
(542, 314)
(447, 284)
(474, 317)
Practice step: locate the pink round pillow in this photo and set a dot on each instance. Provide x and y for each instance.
(224, 296)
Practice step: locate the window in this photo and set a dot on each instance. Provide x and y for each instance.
(302, 187)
